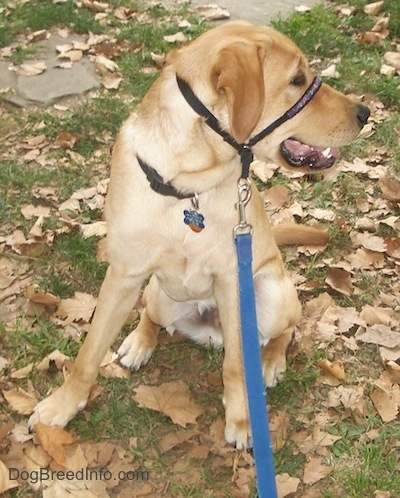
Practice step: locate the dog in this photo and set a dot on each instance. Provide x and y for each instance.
(171, 207)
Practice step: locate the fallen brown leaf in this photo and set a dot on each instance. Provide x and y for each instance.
(80, 307)
(35, 294)
(31, 69)
(172, 399)
(20, 401)
(390, 187)
(5, 429)
(22, 373)
(177, 37)
(65, 140)
(176, 438)
(336, 368)
(387, 408)
(382, 494)
(53, 439)
(393, 247)
(30, 211)
(96, 229)
(111, 81)
(105, 65)
(315, 470)
(374, 8)
(286, 485)
(393, 371)
(5, 482)
(363, 259)
(381, 335)
(96, 6)
(279, 425)
(373, 315)
(345, 10)
(212, 12)
(340, 280)
(110, 367)
(56, 357)
(39, 35)
(124, 13)
(71, 55)
(369, 242)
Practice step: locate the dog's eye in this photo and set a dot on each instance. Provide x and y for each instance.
(298, 80)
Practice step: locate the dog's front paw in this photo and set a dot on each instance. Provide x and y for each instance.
(134, 351)
(237, 426)
(57, 409)
(238, 434)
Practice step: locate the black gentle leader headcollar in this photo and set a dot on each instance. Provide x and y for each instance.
(244, 149)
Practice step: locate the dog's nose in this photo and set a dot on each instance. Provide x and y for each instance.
(362, 115)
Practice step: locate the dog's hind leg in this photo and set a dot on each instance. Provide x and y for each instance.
(278, 313)
(273, 357)
(118, 295)
(138, 347)
(195, 319)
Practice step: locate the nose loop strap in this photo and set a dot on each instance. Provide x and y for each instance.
(307, 96)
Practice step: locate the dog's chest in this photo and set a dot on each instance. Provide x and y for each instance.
(187, 279)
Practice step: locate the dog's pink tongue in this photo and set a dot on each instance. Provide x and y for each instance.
(314, 157)
(297, 148)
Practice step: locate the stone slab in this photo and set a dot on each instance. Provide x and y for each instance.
(259, 11)
(53, 84)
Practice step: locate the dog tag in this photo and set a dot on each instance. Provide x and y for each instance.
(194, 219)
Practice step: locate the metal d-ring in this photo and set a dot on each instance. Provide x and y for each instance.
(195, 202)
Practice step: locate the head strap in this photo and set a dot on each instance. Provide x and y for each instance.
(244, 149)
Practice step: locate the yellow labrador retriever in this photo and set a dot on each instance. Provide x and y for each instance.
(171, 207)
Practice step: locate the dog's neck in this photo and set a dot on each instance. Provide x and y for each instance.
(196, 162)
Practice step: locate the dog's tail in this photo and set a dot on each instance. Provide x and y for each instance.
(292, 234)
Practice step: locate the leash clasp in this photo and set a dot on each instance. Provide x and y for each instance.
(244, 196)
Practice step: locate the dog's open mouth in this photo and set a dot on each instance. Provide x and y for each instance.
(298, 154)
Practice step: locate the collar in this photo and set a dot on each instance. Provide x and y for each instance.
(158, 184)
(244, 150)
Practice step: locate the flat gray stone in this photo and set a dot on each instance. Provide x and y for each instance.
(7, 77)
(259, 11)
(56, 83)
(53, 84)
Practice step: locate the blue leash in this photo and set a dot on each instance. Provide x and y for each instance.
(256, 395)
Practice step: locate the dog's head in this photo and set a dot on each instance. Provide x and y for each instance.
(249, 76)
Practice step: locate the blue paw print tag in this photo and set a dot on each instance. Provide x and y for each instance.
(194, 219)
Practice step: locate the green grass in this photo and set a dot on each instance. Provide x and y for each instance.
(70, 265)
(323, 35)
(367, 466)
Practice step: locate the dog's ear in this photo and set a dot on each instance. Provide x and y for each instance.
(238, 75)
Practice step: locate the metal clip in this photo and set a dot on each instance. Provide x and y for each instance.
(244, 195)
